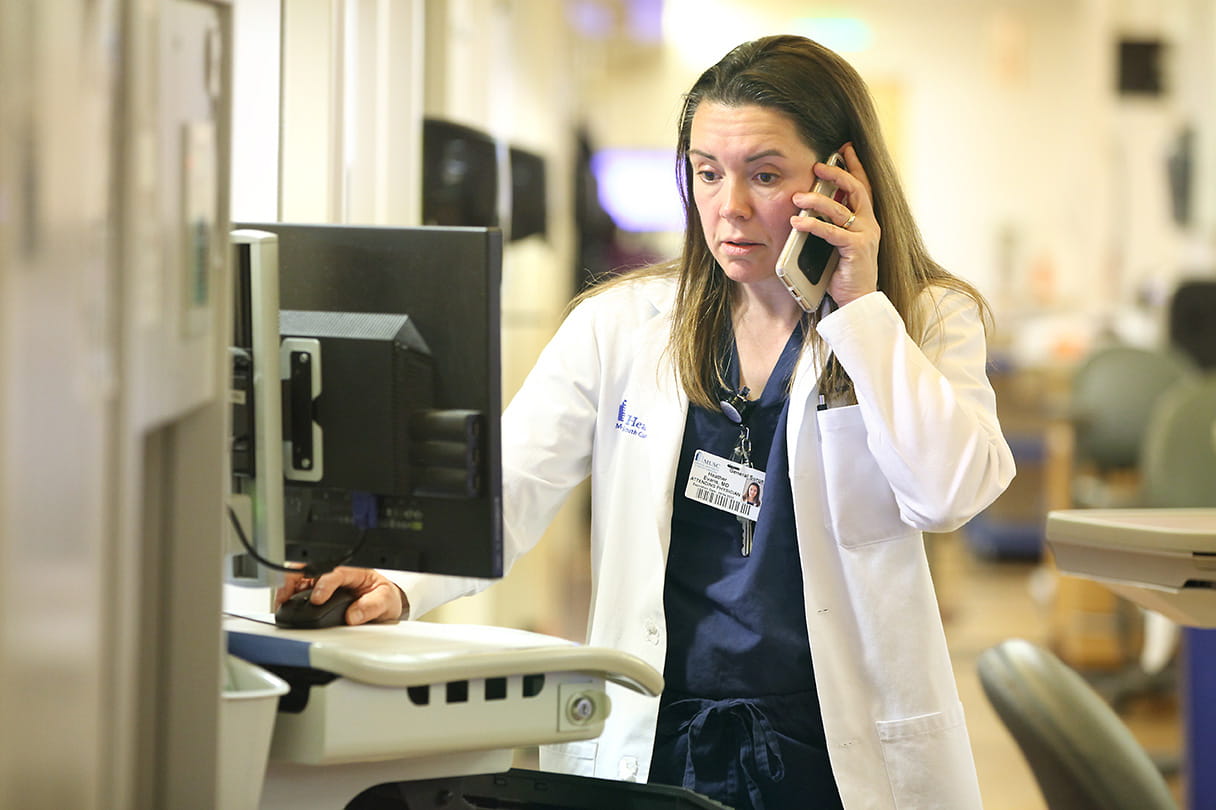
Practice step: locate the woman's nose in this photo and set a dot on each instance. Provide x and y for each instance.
(735, 203)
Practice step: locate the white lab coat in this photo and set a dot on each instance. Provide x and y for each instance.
(921, 451)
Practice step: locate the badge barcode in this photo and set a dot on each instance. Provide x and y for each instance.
(720, 500)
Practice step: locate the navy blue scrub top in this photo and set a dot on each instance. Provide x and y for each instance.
(736, 625)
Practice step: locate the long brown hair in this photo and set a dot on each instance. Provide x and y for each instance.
(829, 105)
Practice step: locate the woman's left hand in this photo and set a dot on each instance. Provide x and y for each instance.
(850, 227)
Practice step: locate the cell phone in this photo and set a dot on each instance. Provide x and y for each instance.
(806, 264)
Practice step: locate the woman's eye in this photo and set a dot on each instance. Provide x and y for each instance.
(766, 178)
(708, 175)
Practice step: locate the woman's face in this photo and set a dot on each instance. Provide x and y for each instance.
(746, 164)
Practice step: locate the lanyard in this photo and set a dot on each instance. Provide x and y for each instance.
(736, 408)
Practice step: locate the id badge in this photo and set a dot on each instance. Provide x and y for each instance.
(726, 485)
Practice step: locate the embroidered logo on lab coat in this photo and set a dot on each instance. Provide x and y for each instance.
(629, 423)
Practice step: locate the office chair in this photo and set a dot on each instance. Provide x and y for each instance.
(1192, 320)
(1178, 461)
(1082, 755)
(1178, 470)
(1113, 394)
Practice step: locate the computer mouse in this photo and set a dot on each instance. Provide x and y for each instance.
(298, 613)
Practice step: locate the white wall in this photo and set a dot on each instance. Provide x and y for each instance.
(255, 111)
(327, 106)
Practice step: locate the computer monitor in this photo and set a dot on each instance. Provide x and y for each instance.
(529, 194)
(460, 175)
(389, 359)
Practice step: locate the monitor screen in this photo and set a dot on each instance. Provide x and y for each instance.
(390, 396)
(460, 171)
(529, 197)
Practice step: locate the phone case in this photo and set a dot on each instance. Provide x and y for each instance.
(806, 265)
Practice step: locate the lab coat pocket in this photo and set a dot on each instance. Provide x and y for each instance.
(573, 757)
(928, 760)
(861, 507)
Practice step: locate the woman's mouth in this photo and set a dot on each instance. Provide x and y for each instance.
(738, 247)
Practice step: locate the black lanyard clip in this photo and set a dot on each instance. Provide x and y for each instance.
(736, 407)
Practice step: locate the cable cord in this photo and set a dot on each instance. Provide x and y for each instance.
(310, 570)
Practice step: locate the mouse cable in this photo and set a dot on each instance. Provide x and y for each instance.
(310, 570)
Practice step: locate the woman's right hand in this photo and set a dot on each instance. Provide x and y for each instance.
(379, 598)
(852, 229)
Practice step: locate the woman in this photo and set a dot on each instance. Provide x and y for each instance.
(803, 652)
(752, 494)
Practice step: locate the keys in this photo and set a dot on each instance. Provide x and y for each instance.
(743, 455)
